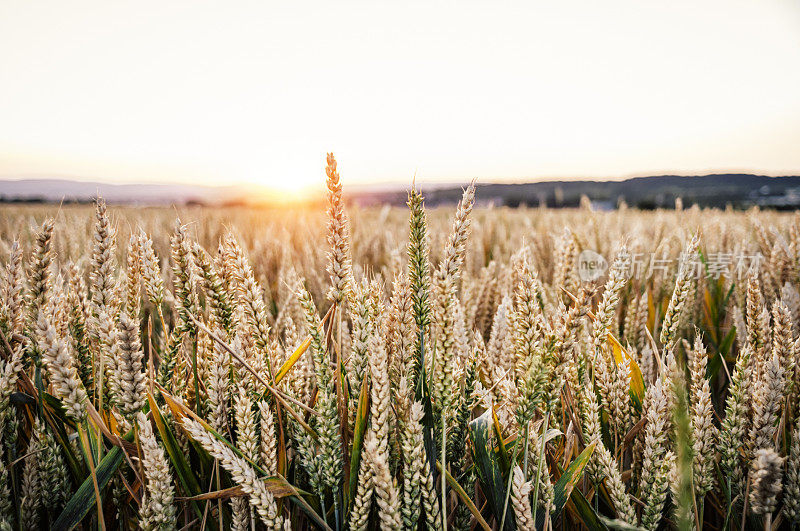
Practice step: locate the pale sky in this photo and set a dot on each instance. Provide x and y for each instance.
(215, 92)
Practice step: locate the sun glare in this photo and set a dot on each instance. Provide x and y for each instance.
(291, 190)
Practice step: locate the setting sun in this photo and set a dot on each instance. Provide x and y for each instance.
(293, 190)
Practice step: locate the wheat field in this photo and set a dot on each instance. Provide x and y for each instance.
(467, 368)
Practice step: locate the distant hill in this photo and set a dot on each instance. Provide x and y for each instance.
(53, 190)
(718, 190)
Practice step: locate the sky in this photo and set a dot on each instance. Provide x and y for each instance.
(258, 92)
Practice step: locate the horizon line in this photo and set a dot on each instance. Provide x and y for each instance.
(393, 182)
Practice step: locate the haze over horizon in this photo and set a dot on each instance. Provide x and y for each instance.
(257, 92)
